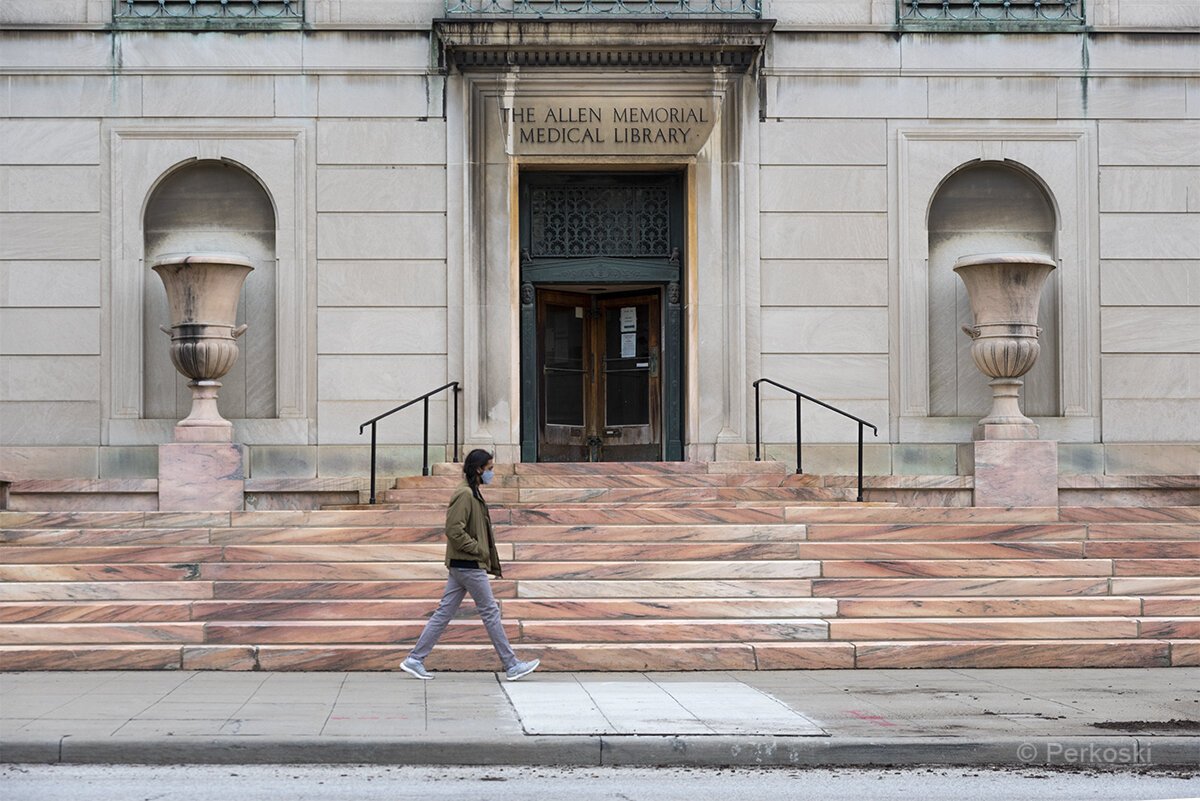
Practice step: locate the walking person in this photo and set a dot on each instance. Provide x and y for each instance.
(470, 556)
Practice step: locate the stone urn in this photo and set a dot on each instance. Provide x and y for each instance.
(1005, 289)
(203, 291)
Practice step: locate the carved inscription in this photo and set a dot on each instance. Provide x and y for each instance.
(652, 127)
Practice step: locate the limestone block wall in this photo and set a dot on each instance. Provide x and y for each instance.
(840, 93)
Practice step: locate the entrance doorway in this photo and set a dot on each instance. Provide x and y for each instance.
(601, 383)
(601, 318)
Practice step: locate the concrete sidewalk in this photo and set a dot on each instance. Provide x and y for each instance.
(1112, 718)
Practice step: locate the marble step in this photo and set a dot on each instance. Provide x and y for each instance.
(612, 481)
(954, 568)
(184, 611)
(61, 537)
(522, 632)
(348, 632)
(599, 551)
(968, 587)
(1167, 607)
(616, 468)
(1157, 522)
(870, 536)
(95, 612)
(1156, 567)
(104, 590)
(341, 589)
(1024, 628)
(1022, 653)
(100, 633)
(628, 494)
(1068, 606)
(618, 657)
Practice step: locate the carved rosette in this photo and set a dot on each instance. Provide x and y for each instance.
(203, 291)
(1005, 290)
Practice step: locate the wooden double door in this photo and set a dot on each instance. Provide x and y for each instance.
(599, 366)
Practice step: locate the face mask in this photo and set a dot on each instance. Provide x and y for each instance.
(487, 476)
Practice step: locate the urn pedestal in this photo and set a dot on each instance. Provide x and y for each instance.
(1012, 466)
(203, 469)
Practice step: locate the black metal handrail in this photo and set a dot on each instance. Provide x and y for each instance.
(425, 432)
(799, 440)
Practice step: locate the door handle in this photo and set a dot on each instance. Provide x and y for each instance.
(654, 365)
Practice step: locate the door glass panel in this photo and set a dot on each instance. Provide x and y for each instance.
(627, 365)
(565, 377)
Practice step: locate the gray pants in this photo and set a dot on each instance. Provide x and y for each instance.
(462, 581)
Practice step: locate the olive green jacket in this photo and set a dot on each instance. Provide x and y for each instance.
(469, 531)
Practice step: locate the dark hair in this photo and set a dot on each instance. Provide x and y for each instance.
(472, 466)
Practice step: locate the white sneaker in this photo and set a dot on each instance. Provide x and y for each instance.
(520, 669)
(414, 668)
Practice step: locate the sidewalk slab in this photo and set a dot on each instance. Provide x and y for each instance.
(1119, 719)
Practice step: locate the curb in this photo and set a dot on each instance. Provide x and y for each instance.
(1108, 752)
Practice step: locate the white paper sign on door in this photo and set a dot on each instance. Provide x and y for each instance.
(628, 319)
(628, 346)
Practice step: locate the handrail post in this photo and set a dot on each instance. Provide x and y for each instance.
(860, 460)
(372, 463)
(455, 393)
(425, 438)
(799, 437)
(757, 424)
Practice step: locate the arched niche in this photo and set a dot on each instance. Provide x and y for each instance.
(212, 205)
(274, 163)
(987, 207)
(1058, 161)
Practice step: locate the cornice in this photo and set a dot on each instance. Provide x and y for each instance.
(487, 43)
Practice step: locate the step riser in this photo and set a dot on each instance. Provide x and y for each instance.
(642, 657)
(593, 609)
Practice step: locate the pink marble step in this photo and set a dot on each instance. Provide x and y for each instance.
(654, 551)
(1156, 567)
(1142, 549)
(617, 657)
(872, 532)
(628, 494)
(605, 534)
(1170, 607)
(1179, 628)
(32, 554)
(348, 632)
(340, 590)
(60, 537)
(1078, 606)
(95, 573)
(602, 481)
(99, 633)
(666, 608)
(661, 588)
(1024, 628)
(1162, 585)
(775, 569)
(644, 631)
(954, 568)
(350, 535)
(968, 587)
(121, 520)
(1131, 514)
(104, 590)
(1028, 653)
(308, 610)
(91, 657)
(96, 612)
(1144, 531)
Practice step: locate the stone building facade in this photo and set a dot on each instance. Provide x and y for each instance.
(692, 201)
